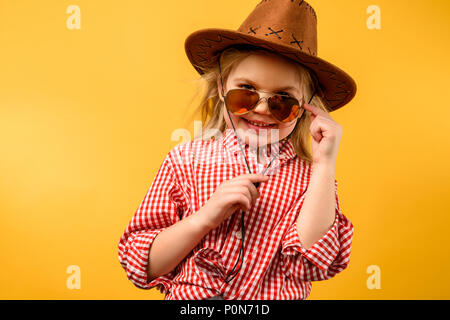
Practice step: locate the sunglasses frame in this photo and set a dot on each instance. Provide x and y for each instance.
(267, 100)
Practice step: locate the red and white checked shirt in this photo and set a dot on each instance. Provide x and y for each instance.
(276, 266)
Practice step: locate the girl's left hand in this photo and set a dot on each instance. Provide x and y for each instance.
(326, 136)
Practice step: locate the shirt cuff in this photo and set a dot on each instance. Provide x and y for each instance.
(322, 253)
(136, 261)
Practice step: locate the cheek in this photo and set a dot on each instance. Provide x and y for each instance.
(237, 121)
(286, 129)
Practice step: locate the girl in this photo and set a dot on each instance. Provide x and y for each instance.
(250, 213)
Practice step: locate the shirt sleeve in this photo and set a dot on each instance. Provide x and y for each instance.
(327, 257)
(162, 206)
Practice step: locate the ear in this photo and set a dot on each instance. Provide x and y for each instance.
(219, 88)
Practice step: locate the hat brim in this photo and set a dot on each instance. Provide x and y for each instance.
(203, 46)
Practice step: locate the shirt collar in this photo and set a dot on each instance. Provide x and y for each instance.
(230, 142)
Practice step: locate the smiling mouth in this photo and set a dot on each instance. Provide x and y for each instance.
(260, 124)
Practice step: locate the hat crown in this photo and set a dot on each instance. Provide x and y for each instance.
(292, 23)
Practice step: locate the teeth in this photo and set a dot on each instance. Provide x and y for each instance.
(259, 124)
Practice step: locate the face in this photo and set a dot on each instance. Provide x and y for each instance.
(271, 74)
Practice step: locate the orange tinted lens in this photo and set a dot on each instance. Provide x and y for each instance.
(240, 101)
(285, 109)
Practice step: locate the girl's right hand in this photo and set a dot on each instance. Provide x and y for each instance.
(231, 195)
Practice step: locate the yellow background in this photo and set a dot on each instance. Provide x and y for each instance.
(86, 118)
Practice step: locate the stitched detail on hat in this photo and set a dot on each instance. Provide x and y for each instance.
(341, 92)
(307, 6)
(207, 44)
(331, 75)
(340, 85)
(297, 42)
(311, 52)
(311, 9)
(253, 30)
(274, 32)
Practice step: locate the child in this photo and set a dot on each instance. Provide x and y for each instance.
(267, 92)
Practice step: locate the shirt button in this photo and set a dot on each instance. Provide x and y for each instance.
(238, 234)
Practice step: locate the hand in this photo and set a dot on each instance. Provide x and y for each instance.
(326, 134)
(231, 195)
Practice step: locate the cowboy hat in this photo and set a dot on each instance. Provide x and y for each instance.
(287, 27)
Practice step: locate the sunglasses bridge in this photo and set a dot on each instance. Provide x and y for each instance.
(267, 98)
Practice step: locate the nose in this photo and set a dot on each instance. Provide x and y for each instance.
(263, 106)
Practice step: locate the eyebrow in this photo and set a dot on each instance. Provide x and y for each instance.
(252, 83)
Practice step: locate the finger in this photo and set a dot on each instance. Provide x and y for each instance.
(246, 192)
(316, 131)
(253, 177)
(251, 184)
(252, 189)
(247, 185)
(248, 181)
(242, 201)
(312, 109)
(315, 112)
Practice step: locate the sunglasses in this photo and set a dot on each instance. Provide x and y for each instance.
(284, 108)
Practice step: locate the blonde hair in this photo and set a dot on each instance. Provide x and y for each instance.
(211, 107)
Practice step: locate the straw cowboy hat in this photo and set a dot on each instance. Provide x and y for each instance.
(287, 27)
